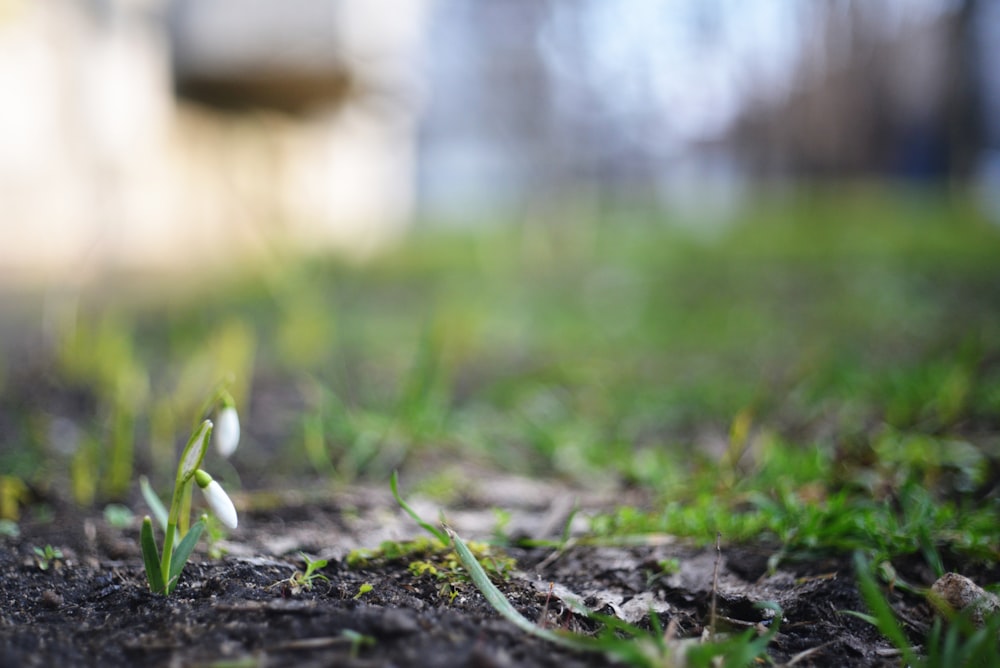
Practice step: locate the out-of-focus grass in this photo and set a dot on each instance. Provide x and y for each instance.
(824, 348)
(822, 375)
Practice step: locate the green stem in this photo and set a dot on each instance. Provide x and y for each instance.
(184, 520)
(168, 548)
(176, 504)
(220, 397)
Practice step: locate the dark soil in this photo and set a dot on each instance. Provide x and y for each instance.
(93, 607)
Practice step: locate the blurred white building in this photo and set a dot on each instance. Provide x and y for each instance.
(294, 125)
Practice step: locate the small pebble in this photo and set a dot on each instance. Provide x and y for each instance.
(954, 593)
(51, 599)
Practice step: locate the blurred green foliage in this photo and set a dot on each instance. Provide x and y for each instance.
(850, 340)
(821, 374)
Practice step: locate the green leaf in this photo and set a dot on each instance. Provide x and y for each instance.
(154, 503)
(871, 619)
(500, 603)
(183, 551)
(885, 618)
(150, 558)
(434, 531)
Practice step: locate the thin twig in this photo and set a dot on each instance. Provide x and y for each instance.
(559, 552)
(715, 584)
(805, 654)
(545, 608)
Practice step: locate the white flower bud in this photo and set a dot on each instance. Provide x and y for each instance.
(220, 503)
(194, 452)
(227, 431)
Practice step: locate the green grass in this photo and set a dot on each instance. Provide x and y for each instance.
(821, 376)
(850, 325)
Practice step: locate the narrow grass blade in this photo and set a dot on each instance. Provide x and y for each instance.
(880, 609)
(183, 551)
(150, 558)
(153, 501)
(500, 603)
(434, 531)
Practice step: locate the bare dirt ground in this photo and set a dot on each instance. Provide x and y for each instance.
(92, 607)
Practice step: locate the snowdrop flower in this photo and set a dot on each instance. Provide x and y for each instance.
(163, 569)
(227, 431)
(220, 503)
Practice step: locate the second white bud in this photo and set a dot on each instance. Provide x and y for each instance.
(220, 503)
(227, 431)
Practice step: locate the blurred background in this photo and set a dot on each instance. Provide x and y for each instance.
(152, 135)
(584, 238)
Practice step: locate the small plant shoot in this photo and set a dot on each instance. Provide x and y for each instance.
(47, 556)
(163, 566)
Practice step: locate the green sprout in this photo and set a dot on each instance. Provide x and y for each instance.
(305, 579)
(300, 580)
(163, 570)
(47, 556)
(358, 641)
